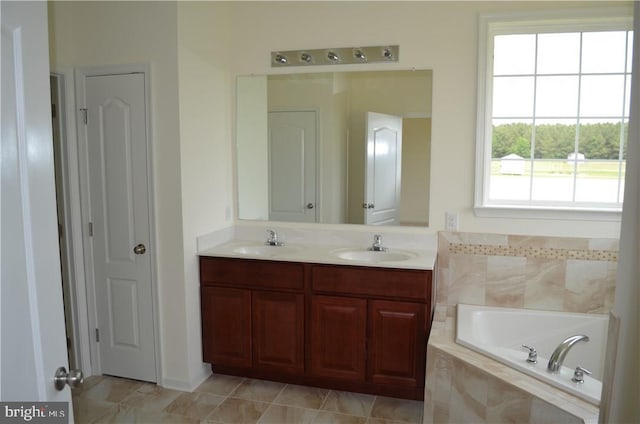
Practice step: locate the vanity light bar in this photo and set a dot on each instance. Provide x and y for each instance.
(337, 56)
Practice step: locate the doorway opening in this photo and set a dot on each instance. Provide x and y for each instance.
(60, 127)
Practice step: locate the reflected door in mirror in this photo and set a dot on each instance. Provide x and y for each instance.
(292, 166)
(383, 169)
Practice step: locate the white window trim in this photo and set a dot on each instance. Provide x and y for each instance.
(510, 23)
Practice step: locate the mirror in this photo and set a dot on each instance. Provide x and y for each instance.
(335, 148)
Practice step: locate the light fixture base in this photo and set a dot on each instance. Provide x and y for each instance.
(336, 56)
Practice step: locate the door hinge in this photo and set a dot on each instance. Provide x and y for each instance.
(97, 335)
(91, 229)
(84, 115)
(53, 110)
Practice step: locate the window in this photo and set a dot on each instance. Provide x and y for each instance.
(553, 112)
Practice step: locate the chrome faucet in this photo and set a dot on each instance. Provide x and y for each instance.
(272, 240)
(377, 244)
(558, 355)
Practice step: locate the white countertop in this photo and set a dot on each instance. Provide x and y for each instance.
(324, 254)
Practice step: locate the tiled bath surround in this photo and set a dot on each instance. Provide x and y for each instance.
(547, 273)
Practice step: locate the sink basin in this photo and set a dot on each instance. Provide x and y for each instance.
(361, 255)
(263, 250)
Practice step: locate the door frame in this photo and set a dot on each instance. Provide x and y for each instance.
(85, 257)
(72, 227)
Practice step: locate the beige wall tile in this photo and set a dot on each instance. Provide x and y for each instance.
(542, 412)
(506, 404)
(544, 284)
(467, 274)
(505, 281)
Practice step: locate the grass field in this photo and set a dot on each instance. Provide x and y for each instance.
(555, 168)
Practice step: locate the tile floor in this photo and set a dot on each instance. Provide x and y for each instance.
(234, 400)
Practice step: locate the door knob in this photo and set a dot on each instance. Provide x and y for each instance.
(140, 249)
(309, 205)
(73, 378)
(368, 205)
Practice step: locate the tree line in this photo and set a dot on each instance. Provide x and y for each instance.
(557, 141)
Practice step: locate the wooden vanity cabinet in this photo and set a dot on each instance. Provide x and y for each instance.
(352, 328)
(252, 315)
(397, 343)
(226, 326)
(378, 320)
(338, 337)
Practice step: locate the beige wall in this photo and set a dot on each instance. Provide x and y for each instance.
(416, 145)
(252, 147)
(205, 151)
(432, 35)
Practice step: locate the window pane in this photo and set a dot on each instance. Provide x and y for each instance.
(552, 180)
(625, 138)
(514, 54)
(629, 50)
(512, 96)
(559, 53)
(602, 96)
(600, 140)
(603, 51)
(627, 97)
(508, 186)
(597, 181)
(557, 96)
(511, 138)
(622, 179)
(555, 139)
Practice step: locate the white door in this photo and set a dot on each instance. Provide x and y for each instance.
(292, 166)
(33, 342)
(383, 169)
(116, 136)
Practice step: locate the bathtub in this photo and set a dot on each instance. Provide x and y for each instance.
(500, 333)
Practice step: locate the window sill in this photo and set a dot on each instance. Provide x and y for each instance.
(530, 212)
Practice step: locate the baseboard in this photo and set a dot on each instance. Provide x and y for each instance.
(187, 385)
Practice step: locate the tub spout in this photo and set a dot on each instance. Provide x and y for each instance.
(558, 355)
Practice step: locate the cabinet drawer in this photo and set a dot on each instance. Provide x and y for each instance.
(252, 273)
(383, 282)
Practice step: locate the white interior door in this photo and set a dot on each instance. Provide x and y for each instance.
(292, 166)
(116, 135)
(33, 342)
(383, 169)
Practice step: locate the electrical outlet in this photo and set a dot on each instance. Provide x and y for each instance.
(451, 221)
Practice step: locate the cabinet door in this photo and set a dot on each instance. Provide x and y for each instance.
(226, 326)
(278, 331)
(338, 337)
(397, 343)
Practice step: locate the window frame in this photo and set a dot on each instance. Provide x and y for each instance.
(490, 25)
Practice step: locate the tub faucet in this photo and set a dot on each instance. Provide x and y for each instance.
(272, 240)
(377, 244)
(558, 355)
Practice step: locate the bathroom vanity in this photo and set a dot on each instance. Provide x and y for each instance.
(349, 327)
